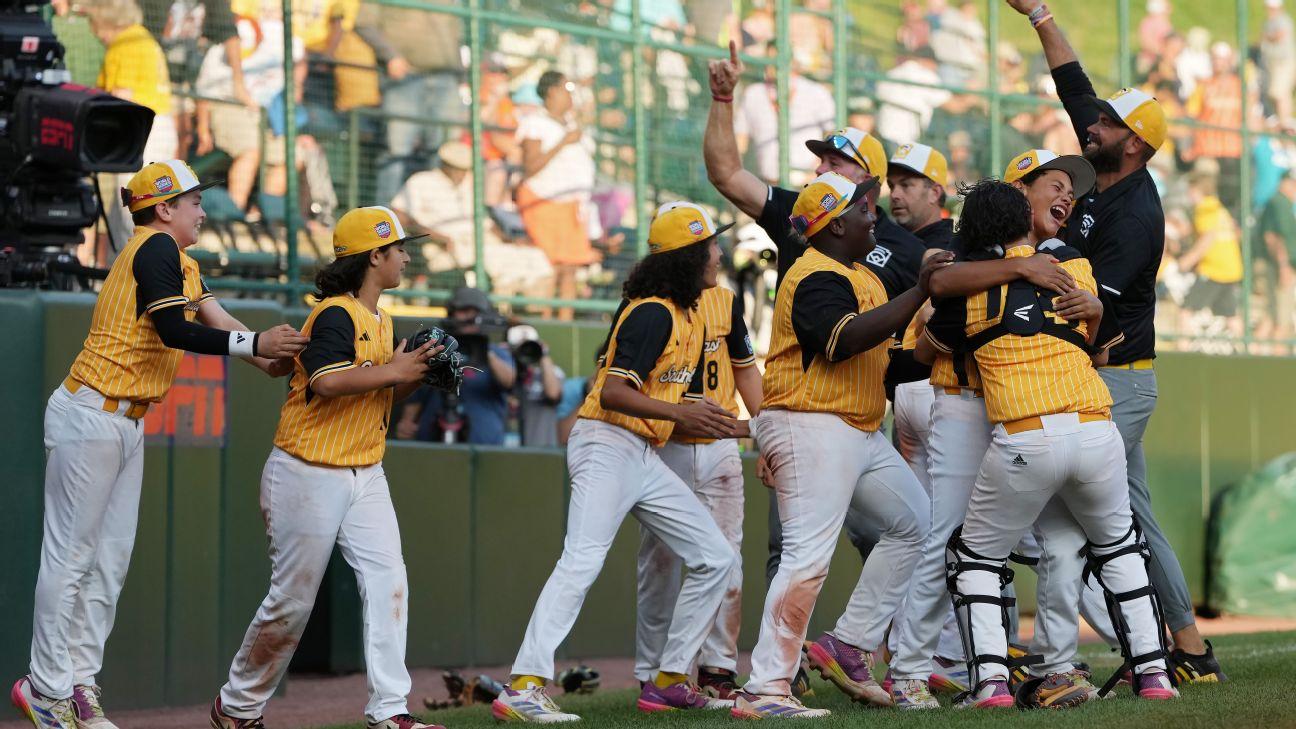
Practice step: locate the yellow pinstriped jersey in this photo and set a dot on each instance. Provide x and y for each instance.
(123, 356)
(348, 430)
(726, 347)
(817, 299)
(943, 374)
(656, 346)
(1038, 374)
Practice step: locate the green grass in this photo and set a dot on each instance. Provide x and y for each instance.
(1261, 667)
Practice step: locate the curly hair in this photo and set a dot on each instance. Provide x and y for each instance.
(674, 275)
(994, 213)
(344, 275)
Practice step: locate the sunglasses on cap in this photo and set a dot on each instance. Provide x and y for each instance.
(842, 143)
(802, 223)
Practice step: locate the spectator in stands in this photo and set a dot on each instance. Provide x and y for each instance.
(1163, 69)
(962, 159)
(1275, 250)
(558, 178)
(500, 148)
(478, 414)
(347, 66)
(230, 127)
(539, 387)
(1193, 64)
(1216, 258)
(419, 50)
(1278, 58)
(756, 120)
(960, 45)
(133, 69)
(440, 201)
(810, 32)
(1153, 32)
(914, 33)
(1217, 101)
(83, 54)
(906, 110)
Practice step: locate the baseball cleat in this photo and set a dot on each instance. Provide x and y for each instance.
(89, 712)
(848, 667)
(1197, 668)
(754, 706)
(530, 704)
(991, 693)
(401, 721)
(221, 720)
(949, 677)
(1154, 684)
(717, 683)
(912, 693)
(680, 696)
(44, 712)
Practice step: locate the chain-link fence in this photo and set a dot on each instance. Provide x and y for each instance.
(533, 138)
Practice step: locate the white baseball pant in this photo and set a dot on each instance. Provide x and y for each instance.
(823, 467)
(1083, 465)
(93, 474)
(912, 408)
(308, 509)
(614, 473)
(714, 472)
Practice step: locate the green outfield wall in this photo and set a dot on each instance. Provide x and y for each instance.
(481, 528)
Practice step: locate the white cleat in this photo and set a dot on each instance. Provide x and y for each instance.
(44, 712)
(531, 704)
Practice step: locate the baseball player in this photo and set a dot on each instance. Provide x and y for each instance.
(635, 406)
(818, 427)
(713, 469)
(152, 308)
(929, 655)
(1053, 437)
(323, 483)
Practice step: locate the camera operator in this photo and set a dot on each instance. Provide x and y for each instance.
(539, 387)
(478, 414)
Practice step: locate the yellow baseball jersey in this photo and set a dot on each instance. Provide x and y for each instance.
(349, 430)
(944, 375)
(123, 357)
(725, 347)
(134, 62)
(1029, 373)
(657, 347)
(817, 299)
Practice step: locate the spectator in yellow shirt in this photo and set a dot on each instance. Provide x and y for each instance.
(1216, 258)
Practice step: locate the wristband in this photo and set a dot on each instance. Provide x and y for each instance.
(242, 344)
(722, 99)
(1041, 21)
(1039, 15)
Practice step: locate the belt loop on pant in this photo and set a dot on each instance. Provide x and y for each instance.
(1013, 427)
(136, 411)
(1138, 364)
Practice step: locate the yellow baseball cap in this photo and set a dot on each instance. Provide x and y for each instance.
(678, 224)
(365, 229)
(1139, 111)
(1081, 172)
(923, 160)
(160, 181)
(863, 148)
(824, 199)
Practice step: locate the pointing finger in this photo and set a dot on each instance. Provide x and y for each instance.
(733, 53)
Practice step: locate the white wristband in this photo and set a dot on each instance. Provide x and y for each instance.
(242, 344)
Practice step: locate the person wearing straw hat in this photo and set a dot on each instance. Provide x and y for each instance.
(1120, 228)
(636, 405)
(324, 485)
(819, 428)
(152, 308)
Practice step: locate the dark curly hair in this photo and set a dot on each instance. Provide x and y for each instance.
(344, 275)
(674, 275)
(994, 213)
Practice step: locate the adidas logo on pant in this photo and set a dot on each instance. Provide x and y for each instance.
(1019, 461)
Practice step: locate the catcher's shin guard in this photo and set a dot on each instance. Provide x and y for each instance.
(958, 560)
(1097, 557)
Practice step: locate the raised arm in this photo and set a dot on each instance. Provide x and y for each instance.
(1073, 86)
(720, 147)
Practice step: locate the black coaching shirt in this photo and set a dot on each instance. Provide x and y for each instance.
(1121, 230)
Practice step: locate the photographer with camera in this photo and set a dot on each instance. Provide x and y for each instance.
(539, 388)
(477, 415)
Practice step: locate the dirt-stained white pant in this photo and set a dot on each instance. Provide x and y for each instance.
(93, 473)
(823, 467)
(1082, 464)
(714, 472)
(614, 473)
(308, 509)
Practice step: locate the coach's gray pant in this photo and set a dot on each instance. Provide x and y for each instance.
(1134, 394)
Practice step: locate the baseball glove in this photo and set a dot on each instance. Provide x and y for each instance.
(445, 369)
(465, 692)
(579, 680)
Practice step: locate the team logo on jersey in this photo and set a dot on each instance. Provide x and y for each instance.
(163, 184)
(1086, 223)
(383, 229)
(748, 344)
(673, 376)
(695, 227)
(1023, 313)
(192, 306)
(711, 346)
(365, 337)
(1026, 163)
(879, 256)
(828, 202)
